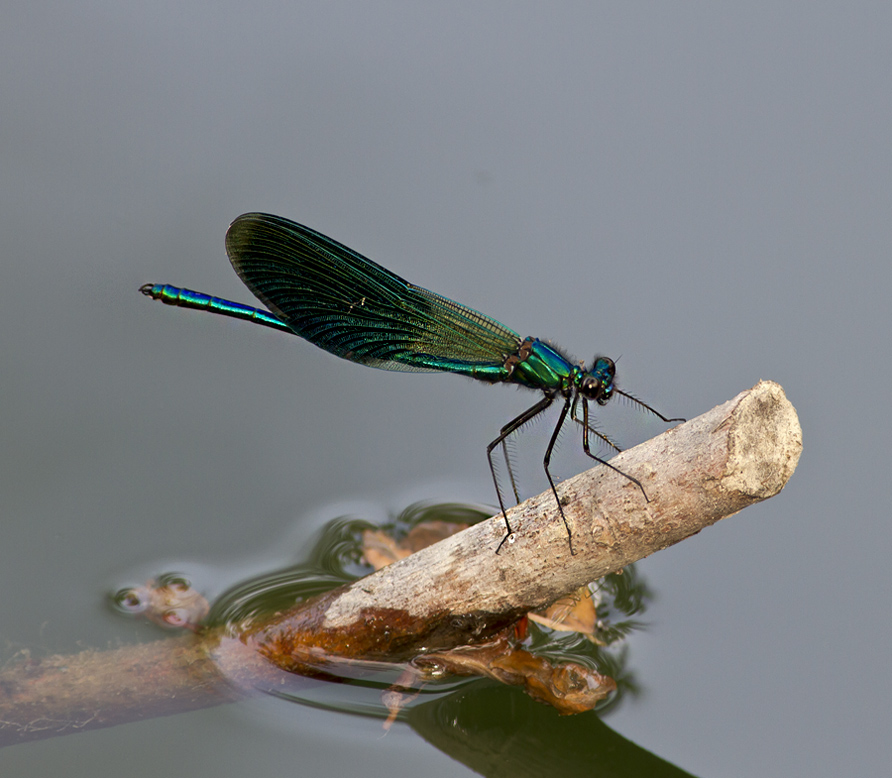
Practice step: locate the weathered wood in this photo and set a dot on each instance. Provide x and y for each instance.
(457, 591)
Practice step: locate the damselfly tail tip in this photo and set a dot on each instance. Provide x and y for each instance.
(146, 289)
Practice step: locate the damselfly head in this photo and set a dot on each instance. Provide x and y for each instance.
(597, 384)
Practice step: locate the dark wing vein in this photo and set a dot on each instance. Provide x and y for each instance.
(353, 307)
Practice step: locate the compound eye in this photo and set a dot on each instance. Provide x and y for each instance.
(593, 389)
(604, 368)
(602, 373)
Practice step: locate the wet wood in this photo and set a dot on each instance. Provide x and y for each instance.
(60, 695)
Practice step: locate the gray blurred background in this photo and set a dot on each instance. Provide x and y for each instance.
(701, 189)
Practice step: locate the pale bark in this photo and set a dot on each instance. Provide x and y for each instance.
(458, 590)
(454, 592)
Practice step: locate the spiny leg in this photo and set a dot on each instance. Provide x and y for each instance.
(547, 460)
(645, 406)
(510, 471)
(513, 426)
(585, 447)
(591, 429)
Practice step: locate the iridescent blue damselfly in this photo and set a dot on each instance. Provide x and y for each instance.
(353, 308)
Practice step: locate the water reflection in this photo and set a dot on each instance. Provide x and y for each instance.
(344, 550)
(498, 732)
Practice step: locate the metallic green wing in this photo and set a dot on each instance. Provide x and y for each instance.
(358, 310)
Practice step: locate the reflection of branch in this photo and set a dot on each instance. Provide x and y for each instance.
(455, 592)
(526, 740)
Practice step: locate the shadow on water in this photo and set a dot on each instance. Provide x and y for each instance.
(498, 731)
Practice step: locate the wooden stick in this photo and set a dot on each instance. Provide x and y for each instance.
(60, 695)
(455, 592)
(459, 591)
